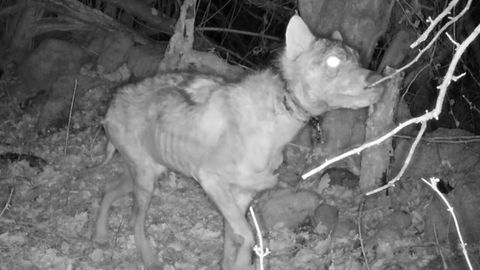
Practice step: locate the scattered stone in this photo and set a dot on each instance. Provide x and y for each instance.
(398, 219)
(342, 177)
(326, 218)
(114, 52)
(143, 60)
(287, 206)
(384, 242)
(97, 255)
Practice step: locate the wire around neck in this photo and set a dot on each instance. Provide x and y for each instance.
(290, 102)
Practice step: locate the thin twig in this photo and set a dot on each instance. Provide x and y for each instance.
(360, 238)
(357, 150)
(472, 106)
(412, 81)
(426, 48)
(259, 250)
(451, 68)
(434, 23)
(241, 32)
(70, 117)
(445, 140)
(229, 52)
(7, 204)
(433, 184)
(439, 249)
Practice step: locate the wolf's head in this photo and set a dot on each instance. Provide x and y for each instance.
(324, 74)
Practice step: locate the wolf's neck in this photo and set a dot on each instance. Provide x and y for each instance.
(290, 102)
(270, 106)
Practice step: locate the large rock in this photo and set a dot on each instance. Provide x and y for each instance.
(55, 111)
(50, 60)
(143, 61)
(286, 206)
(341, 130)
(438, 158)
(114, 51)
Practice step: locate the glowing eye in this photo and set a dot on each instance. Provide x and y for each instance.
(333, 61)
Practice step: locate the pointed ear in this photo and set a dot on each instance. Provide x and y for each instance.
(337, 36)
(298, 37)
